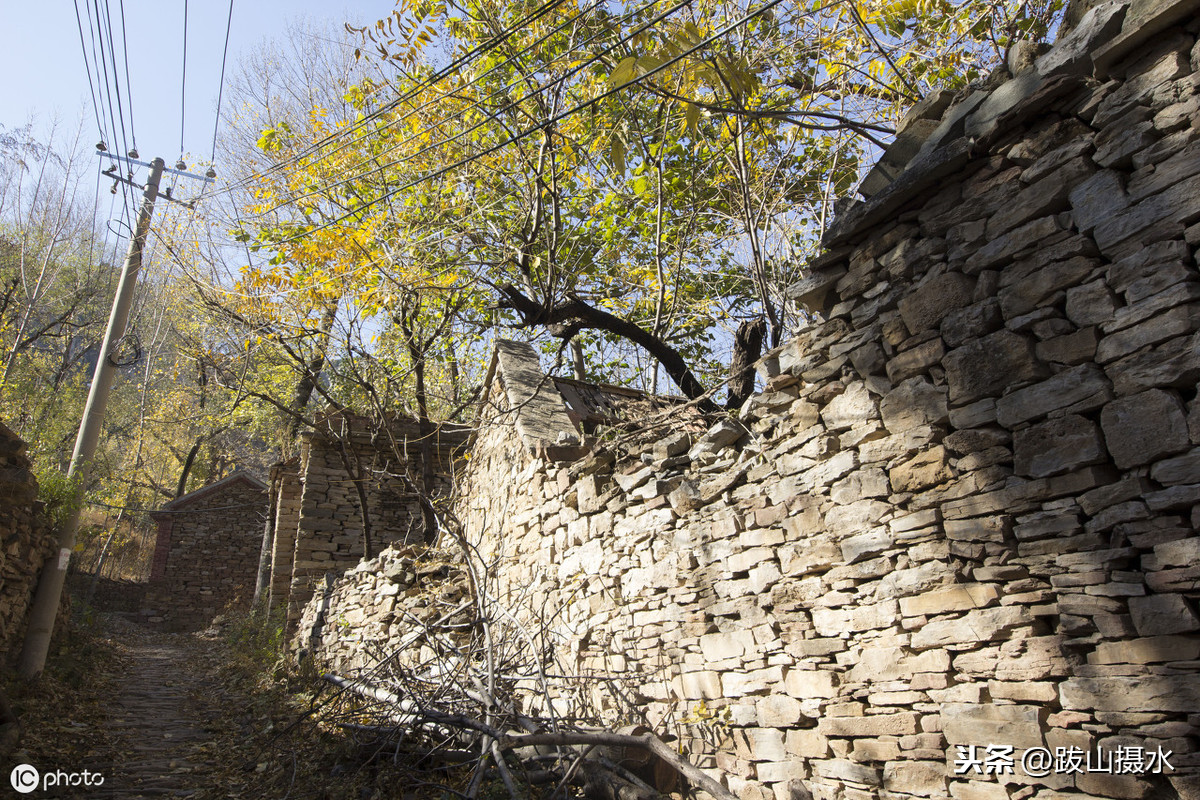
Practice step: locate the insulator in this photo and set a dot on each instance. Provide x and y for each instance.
(101, 146)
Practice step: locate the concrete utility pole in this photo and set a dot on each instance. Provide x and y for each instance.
(54, 573)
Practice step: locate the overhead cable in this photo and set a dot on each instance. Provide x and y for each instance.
(540, 126)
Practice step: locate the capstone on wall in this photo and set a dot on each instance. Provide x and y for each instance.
(26, 541)
(964, 512)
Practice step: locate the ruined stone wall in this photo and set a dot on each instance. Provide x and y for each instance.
(26, 541)
(963, 513)
(324, 519)
(206, 555)
(287, 486)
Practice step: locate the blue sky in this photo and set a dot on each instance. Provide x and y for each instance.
(45, 76)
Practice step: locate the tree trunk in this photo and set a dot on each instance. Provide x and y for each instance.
(312, 371)
(747, 347)
(262, 583)
(180, 489)
(564, 320)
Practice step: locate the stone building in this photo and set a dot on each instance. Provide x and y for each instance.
(960, 525)
(207, 551)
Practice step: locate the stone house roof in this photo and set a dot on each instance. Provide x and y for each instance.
(236, 478)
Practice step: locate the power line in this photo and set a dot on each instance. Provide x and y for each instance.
(455, 65)
(511, 104)
(128, 90)
(88, 68)
(116, 78)
(541, 125)
(183, 82)
(221, 86)
(437, 99)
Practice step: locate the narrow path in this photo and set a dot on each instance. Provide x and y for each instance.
(160, 741)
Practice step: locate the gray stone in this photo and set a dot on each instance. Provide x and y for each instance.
(1070, 349)
(962, 597)
(1173, 363)
(1072, 53)
(913, 403)
(1153, 693)
(1047, 196)
(972, 322)
(923, 470)
(1000, 101)
(859, 485)
(915, 361)
(1080, 388)
(1181, 469)
(849, 408)
(915, 778)
(1162, 614)
(970, 723)
(978, 529)
(1144, 427)
(925, 307)
(876, 725)
(868, 359)
(718, 437)
(865, 545)
(1148, 262)
(1152, 650)
(982, 625)
(812, 292)
(672, 445)
(1155, 327)
(987, 366)
(779, 711)
(1005, 248)
(1035, 289)
(1170, 208)
(799, 560)
(1116, 146)
(810, 683)
(976, 439)
(1090, 304)
(903, 259)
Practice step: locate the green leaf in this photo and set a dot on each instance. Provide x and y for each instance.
(617, 153)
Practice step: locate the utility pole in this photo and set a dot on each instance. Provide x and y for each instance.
(54, 573)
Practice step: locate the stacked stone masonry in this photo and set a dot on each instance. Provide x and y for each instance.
(316, 506)
(26, 541)
(206, 552)
(964, 512)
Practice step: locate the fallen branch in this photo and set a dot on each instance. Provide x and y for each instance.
(511, 741)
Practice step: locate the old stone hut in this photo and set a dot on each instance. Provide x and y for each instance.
(956, 547)
(207, 551)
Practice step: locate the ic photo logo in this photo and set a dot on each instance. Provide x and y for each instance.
(25, 778)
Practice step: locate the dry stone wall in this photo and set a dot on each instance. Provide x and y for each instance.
(965, 511)
(318, 514)
(26, 541)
